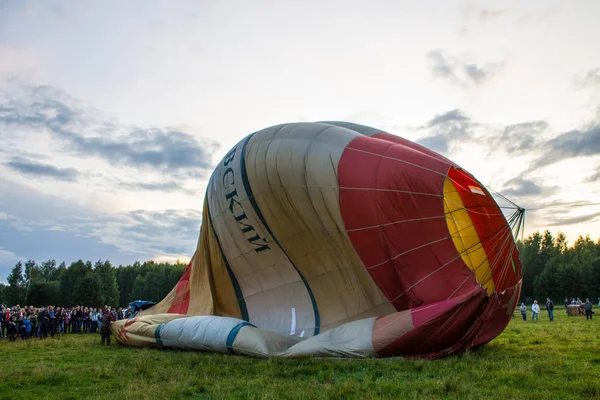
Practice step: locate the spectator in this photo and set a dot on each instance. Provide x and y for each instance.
(588, 309)
(550, 308)
(43, 321)
(12, 328)
(76, 319)
(85, 317)
(30, 321)
(535, 311)
(94, 319)
(52, 319)
(25, 328)
(5, 316)
(33, 320)
(59, 319)
(107, 318)
(523, 311)
(67, 320)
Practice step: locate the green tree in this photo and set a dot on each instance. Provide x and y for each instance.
(69, 282)
(108, 282)
(569, 280)
(33, 273)
(586, 257)
(59, 272)
(16, 286)
(155, 280)
(3, 294)
(48, 270)
(88, 291)
(125, 280)
(593, 275)
(44, 293)
(547, 282)
(139, 291)
(532, 267)
(561, 243)
(547, 249)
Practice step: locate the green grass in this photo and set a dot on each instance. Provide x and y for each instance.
(530, 360)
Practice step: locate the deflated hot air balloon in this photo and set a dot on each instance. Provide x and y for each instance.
(336, 239)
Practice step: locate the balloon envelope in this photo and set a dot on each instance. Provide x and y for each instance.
(337, 239)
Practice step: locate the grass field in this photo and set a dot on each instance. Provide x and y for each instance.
(530, 360)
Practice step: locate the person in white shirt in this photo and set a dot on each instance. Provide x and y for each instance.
(535, 311)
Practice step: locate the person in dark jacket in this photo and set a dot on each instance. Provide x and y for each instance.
(60, 320)
(85, 320)
(12, 329)
(43, 321)
(587, 307)
(550, 308)
(107, 318)
(52, 324)
(33, 320)
(76, 320)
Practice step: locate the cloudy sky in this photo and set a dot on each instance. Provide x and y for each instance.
(113, 114)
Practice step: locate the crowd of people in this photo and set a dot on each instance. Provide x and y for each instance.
(31, 322)
(28, 321)
(582, 307)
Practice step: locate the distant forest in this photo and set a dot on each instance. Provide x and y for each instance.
(88, 284)
(553, 269)
(550, 269)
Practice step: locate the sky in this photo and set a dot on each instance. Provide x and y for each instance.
(113, 114)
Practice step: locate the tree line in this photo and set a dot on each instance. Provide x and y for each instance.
(88, 284)
(553, 269)
(550, 269)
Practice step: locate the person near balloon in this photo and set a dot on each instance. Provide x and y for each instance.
(107, 318)
(535, 311)
(550, 308)
(587, 306)
(523, 311)
(567, 302)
